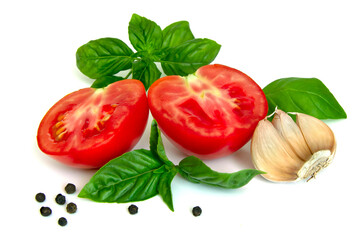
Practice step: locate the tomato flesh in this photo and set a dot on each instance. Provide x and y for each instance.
(209, 114)
(89, 127)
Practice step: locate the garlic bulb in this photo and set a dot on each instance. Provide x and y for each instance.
(289, 151)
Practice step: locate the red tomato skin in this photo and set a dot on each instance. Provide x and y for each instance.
(190, 140)
(93, 154)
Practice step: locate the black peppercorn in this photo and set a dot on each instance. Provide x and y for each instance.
(70, 188)
(40, 197)
(45, 211)
(71, 208)
(196, 211)
(62, 221)
(60, 199)
(133, 209)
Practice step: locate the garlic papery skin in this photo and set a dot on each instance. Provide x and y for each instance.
(290, 151)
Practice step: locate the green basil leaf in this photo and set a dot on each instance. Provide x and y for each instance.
(102, 82)
(164, 187)
(305, 95)
(144, 34)
(187, 57)
(103, 57)
(134, 176)
(146, 72)
(156, 144)
(176, 33)
(194, 170)
(157, 148)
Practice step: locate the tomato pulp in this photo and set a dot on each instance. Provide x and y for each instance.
(209, 114)
(89, 127)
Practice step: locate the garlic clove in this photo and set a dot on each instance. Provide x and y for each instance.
(290, 131)
(317, 134)
(290, 151)
(273, 155)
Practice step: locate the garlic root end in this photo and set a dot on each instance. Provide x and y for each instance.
(317, 162)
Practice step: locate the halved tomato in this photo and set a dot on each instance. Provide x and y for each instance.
(209, 114)
(89, 127)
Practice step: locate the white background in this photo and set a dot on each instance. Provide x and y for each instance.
(267, 40)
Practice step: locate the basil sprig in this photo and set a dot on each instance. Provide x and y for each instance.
(134, 176)
(305, 95)
(196, 171)
(175, 48)
(142, 174)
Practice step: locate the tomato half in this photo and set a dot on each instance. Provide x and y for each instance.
(209, 114)
(89, 127)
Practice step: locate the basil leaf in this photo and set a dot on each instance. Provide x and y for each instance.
(194, 170)
(176, 33)
(134, 176)
(305, 95)
(102, 82)
(156, 144)
(146, 72)
(164, 187)
(144, 34)
(103, 57)
(187, 57)
(157, 148)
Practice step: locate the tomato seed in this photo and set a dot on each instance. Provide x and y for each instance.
(59, 124)
(61, 117)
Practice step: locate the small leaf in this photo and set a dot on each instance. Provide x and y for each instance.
(164, 187)
(134, 176)
(103, 57)
(176, 33)
(156, 144)
(196, 171)
(157, 148)
(304, 95)
(144, 34)
(102, 82)
(187, 57)
(146, 72)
